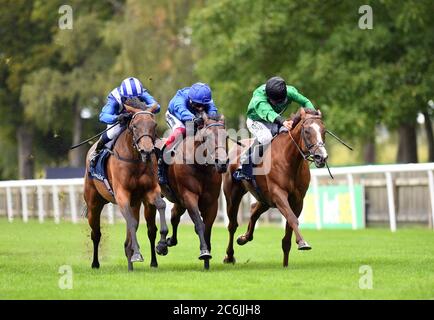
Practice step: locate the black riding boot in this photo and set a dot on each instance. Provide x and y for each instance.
(162, 168)
(99, 147)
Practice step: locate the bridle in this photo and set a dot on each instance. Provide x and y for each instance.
(136, 141)
(309, 154)
(215, 124)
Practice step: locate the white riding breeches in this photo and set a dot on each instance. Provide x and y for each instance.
(113, 133)
(173, 122)
(264, 131)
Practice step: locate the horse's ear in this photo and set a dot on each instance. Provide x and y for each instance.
(302, 113)
(153, 107)
(204, 116)
(222, 118)
(319, 112)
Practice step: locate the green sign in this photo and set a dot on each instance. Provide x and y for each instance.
(336, 210)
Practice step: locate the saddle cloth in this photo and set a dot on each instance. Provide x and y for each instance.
(99, 170)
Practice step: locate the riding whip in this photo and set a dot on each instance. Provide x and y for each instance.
(95, 136)
(339, 139)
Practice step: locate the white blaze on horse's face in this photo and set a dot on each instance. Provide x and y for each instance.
(317, 130)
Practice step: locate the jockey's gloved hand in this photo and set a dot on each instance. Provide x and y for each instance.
(124, 117)
(198, 122)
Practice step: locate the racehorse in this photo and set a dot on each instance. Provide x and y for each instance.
(195, 185)
(286, 183)
(131, 171)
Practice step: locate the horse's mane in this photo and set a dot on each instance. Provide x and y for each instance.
(136, 103)
(297, 117)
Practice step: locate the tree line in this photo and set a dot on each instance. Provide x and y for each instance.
(359, 78)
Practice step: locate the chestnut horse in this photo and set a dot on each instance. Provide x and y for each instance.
(131, 171)
(286, 183)
(196, 184)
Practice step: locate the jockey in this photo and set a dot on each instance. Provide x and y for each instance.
(187, 105)
(114, 111)
(264, 119)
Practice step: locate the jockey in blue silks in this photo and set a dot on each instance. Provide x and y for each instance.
(187, 104)
(114, 111)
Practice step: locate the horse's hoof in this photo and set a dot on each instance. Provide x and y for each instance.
(161, 248)
(137, 257)
(95, 265)
(229, 260)
(154, 264)
(171, 242)
(204, 255)
(303, 245)
(242, 240)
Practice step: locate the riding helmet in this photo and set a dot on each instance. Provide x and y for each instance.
(275, 88)
(200, 93)
(131, 87)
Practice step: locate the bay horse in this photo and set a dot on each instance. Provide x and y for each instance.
(131, 171)
(286, 183)
(195, 185)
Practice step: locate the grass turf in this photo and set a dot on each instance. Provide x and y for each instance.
(31, 254)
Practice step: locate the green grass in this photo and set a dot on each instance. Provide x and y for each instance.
(31, 254)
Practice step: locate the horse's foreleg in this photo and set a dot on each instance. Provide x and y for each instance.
(209, 214)
(233, 194)
(280, 198)
(128, 250)
(131, 215)
(257, 209)
(152, 231)
(177, 212)
(161, 207)
(286, 241)
(286, 244)
(191, 201)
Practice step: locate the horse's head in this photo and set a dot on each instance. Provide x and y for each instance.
(214, 135)
(312, 135)
(142, 127)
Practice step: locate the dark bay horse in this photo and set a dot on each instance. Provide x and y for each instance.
(286, 183)
(131, 171)
(196, 184)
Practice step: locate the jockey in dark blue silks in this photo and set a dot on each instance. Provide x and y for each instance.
(185, 106)
(114, 110)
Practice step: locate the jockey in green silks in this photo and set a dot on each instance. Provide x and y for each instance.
(264, 119)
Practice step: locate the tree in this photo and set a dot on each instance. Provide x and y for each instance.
(359, 78)
(75, 82)
(155, 46)
(23, 47)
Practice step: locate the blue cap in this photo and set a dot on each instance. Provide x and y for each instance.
(200, 93)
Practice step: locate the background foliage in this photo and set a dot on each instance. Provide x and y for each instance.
(370, 84)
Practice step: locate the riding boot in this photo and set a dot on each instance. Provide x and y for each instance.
(245, 171)
(162, 168)
(99, 147)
